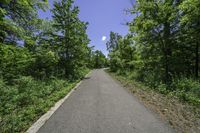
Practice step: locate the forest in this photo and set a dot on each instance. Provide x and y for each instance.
(161, 50)
(40, 59)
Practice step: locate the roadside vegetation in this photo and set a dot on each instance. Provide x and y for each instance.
(28, 99)
(161, 53)
(162, 49)
(41, 60)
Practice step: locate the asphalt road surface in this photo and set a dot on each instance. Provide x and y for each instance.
(101, 105)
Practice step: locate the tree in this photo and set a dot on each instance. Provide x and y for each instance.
(21, 21)
(112, 44)
(155, 27)
(99, 59)
(112, 47)
(191, 24)
(122, 52)
(19, 24)
(70, 36)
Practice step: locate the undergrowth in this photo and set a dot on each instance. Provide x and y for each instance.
(185, 89)
(24, 102)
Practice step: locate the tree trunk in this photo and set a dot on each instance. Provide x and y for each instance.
(167, 53)
(197, 60)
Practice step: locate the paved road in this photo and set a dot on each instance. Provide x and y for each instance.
(100, 105)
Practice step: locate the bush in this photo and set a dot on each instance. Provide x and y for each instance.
(14, 62)
(187, 89)
(187, 85)
(26, 100)
(162, 88)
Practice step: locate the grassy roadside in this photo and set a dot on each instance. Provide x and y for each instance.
(182, 116)
(25, 102)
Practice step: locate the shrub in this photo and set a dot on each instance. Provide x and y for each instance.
(26, 100)
(162, 88)
(187, 89)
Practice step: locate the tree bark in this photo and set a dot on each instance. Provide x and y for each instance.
(167, 53)
(197, 60)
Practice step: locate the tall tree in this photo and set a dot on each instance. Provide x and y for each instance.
(71, 36)
(155, 27)
(191, 23)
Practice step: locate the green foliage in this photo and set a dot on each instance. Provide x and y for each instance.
(40, 60)
(71, 37)
(27, 100)
(162, 48)
(122, 52)
(191, 11)
(48, 48)
(14, 62)
(44, 64)
(187, 89)
(20, 19)
(98, 59)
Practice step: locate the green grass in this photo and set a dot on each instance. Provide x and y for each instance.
(24, 102)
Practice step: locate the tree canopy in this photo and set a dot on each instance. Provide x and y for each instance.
(163, 43)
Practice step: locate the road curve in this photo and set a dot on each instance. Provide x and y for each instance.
(100, 105)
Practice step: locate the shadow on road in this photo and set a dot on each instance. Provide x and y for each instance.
(86, 78)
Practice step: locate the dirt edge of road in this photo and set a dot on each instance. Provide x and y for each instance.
(181, 116)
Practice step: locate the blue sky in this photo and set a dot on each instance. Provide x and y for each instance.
(103, 16)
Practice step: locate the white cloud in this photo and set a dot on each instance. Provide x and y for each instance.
(103, 38)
